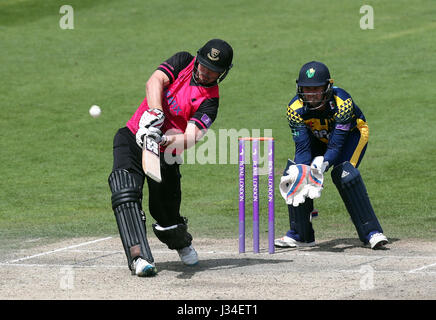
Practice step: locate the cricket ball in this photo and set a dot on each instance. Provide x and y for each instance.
(95, 111)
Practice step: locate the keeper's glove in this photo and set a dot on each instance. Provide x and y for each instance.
(293, 185)
(316, 177)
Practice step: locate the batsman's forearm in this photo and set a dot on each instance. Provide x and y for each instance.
(154, 89)
(180, 141)
(183, 141)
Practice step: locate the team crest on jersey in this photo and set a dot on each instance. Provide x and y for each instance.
(310, 72)
(332, 105)
(213, 54)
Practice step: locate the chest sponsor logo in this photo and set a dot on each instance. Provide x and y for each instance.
(320, 128)
(172, 104)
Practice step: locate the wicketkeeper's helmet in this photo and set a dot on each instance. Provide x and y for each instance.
(216, 55)
(314, 74)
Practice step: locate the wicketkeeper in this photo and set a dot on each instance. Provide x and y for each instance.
(329, 132)
(181, 103)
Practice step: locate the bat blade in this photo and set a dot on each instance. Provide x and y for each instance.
(151, 159)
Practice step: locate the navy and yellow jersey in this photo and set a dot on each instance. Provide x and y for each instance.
(330, 126)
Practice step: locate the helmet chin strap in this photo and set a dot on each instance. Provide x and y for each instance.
(195, 77)
(321, 105)
(217, 81)
(325, 97)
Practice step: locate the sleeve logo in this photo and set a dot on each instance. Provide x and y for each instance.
(206, 120)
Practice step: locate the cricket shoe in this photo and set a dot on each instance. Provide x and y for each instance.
(188, 255)
(377, 240)
(288, 242)
(142, 268)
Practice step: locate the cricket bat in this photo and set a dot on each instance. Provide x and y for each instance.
(151, 159)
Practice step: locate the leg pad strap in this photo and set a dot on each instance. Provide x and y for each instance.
(175, 237)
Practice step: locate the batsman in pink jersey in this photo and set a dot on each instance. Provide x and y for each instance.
(181, 103)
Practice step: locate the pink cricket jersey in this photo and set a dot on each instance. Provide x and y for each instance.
(180, 101)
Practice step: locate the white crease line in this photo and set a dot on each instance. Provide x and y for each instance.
(56, 250)
(385, 271)
(232, 253)
(45, 265)
(96, 251)
(328, 254)
(422, 268)
(158, 251)
(34, 265)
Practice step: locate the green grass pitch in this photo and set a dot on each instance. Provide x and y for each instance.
(55, 158)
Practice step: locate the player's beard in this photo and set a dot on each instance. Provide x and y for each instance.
(318, 106)
(315, 104)
(196, 78)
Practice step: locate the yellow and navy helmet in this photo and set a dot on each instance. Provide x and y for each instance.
(314, 74)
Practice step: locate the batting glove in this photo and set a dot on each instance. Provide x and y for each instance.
(153, 133)
(157, 135)
(152, 118)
